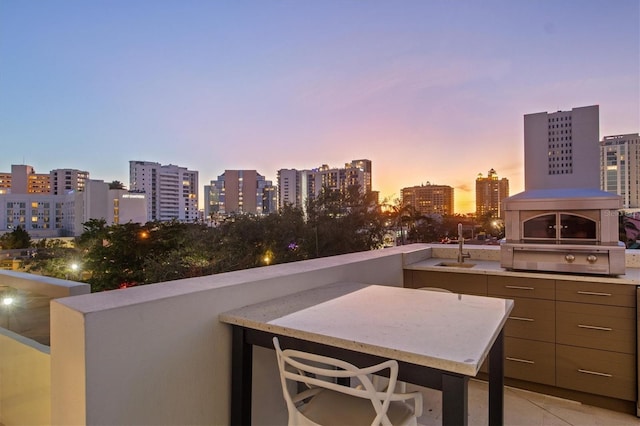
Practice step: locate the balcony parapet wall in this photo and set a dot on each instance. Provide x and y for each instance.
(156, 354)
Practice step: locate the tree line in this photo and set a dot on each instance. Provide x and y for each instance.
(336, 222)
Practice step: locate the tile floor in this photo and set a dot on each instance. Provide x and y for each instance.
(524, 408)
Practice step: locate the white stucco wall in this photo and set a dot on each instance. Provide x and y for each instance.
(25, 381)
(157, 354)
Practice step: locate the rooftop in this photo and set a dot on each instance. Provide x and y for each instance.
(157, 354)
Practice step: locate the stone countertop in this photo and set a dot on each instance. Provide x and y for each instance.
(447, 331)
(492, 267)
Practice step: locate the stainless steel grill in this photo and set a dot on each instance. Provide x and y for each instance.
(563, 230)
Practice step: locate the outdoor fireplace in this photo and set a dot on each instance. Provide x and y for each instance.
(563, 230)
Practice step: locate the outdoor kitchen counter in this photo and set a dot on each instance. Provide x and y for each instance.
(569, 335)
(489, 267)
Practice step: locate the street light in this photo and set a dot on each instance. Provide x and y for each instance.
(7, 302)
(74, 269)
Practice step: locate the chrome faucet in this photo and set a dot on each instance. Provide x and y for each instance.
(461, 256)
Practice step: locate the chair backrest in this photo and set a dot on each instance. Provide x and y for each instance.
(314, 370)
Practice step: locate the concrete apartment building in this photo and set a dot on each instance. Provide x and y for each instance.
(42, 215)
(63, 215)
(25, 180)
(116, 206)
(358, 172)
(171, 191)
(289, 188)
(240, 192)
(66, 180)
(24, 202)
(561, 149)
(620, 167)
(296, 187)
(429, 199)
(490, 191)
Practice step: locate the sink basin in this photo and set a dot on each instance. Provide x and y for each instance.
(456, 264)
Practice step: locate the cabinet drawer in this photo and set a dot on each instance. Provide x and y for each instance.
(529, 360)
(610, 328)
(594, 371)
(535, 288)
(532, 319)
(598, 293)
(455, 282)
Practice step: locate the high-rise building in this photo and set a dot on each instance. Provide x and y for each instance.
(240, 192)
(620, 167)
(561, 149)
(429, 199)
(25, 180)
(296, 187)
(289, 188)
(172, 191)
(490, 191)
(358, 172)
(65, 180)
(62, 215)
(365, 179)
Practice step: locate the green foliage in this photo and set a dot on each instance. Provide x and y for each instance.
(17, 239)
(54, 258)
(343, 222)
(131, 254)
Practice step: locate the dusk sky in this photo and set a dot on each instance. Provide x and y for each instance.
(430, 91)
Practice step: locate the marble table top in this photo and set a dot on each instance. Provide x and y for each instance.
(447, 331)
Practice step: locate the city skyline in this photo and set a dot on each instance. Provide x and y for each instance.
(428, 91)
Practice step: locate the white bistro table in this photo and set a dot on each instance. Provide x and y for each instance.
(439, 339)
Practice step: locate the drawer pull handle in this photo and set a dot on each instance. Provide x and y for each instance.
(525, 361)
(595, 373)
(521, 319)
(595, 327)
(593, 293)
(519, 287)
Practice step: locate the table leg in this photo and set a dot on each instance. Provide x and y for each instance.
(496, 382)
(454, 399)
(241, 375)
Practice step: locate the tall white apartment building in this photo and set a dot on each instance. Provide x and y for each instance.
(620, 167)
(358, 172)
(296, 187)
(561, 149)
(289, 188)
(66, 180)
(172, 191)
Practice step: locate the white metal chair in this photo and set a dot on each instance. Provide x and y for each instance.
(326, 402)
